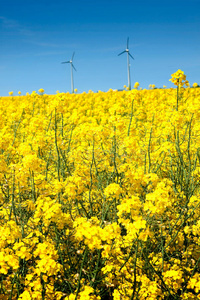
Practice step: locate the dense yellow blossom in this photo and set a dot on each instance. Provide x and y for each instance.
(99, 194)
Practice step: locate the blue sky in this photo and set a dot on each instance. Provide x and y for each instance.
(37, 35)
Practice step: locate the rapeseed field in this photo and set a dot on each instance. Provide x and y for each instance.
(99, 194)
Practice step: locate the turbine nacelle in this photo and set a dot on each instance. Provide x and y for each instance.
(70, 61)
(126, 50)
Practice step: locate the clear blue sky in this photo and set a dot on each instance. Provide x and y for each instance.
(37, 35)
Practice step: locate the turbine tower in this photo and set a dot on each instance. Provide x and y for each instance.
(72, 67)
(128, 63)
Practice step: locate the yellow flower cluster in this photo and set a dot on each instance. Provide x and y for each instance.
(152, 86)
(136, 85)
(179, 78)
(100, 195)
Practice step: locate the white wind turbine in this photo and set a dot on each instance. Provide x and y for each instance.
(72, 67)
(128, 63)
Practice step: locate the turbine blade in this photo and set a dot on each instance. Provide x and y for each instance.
(127, 42)
(65, 62)
(122, 52)
(73, 55)
(73, 67)
(131, 55)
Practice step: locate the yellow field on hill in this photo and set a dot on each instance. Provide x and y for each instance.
(99, 195)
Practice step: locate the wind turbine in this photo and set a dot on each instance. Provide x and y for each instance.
(72, 67)
(128, 64)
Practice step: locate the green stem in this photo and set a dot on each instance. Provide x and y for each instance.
(80, 273)
(57, 150)
(129, 127)
(177, 98)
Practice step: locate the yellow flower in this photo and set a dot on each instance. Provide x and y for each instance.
(25, 296)
(178, 78)
(136, 85)
(88, 294)
(113, 190)
(41, 91)
(10, 93)
(116, 295)
(195, 85)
